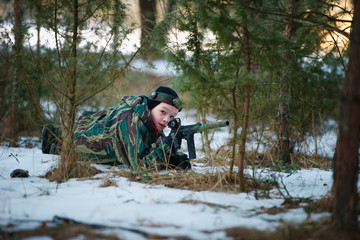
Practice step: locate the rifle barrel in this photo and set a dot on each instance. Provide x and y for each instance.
(213, 125)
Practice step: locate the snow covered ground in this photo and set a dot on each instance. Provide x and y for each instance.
(132, 207)
(147, 208)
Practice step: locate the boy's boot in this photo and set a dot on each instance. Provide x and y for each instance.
(49, 139)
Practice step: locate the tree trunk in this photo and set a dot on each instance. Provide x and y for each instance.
(38, 83)
(68, 155)
(244, 135)
(346, 162)
(148, 17)
(18, 33)
(235, 129)
(242, 146)
(284, 94)
(207, 147)
(284, 142)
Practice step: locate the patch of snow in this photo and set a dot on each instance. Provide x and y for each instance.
(147, 208)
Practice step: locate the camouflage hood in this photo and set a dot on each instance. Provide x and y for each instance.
(139, 105)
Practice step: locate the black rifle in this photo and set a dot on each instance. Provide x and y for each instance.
(187, 132)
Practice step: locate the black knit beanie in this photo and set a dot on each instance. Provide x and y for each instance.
(166, 95)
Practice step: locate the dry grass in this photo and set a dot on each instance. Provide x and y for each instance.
(218, 178)
(218, 181)
(269, 158)
(308, 204)
(78, 169)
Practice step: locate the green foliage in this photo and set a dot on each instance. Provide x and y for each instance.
(92, 59)
(215, 60)
(6, 76)
(95, 62)
(287, 168)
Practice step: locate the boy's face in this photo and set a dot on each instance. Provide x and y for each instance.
(162, 114)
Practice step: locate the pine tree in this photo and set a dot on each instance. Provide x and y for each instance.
(81, 64)
(248, 58)
(32, 71)
(18, 31)
(223, 69)
(284, 93)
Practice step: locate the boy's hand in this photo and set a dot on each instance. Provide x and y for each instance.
(181, 161)
(173, 142)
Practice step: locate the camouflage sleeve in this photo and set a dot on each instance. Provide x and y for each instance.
(139, 149)
(158, 155)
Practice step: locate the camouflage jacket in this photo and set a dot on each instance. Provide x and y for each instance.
(123, 133)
